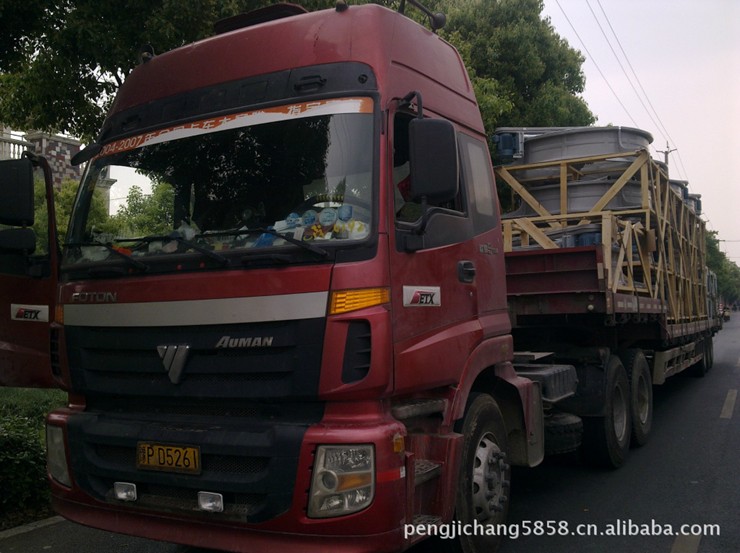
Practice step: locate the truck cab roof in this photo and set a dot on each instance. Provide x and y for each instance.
(399, 53)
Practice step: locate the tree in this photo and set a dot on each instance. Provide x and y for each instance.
(144, 215)
(64, 198)
(61, 61)
(728, 273)
(533, 68)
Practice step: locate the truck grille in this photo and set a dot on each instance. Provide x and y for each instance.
(222, 361)
(245, 407)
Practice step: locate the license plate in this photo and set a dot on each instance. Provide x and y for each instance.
(169, 458)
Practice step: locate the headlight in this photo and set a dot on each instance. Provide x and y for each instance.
(56, 455)
(343, 480)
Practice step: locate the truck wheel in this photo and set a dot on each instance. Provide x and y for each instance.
(606, 440)
(701, 368)
(709, 344)
(483, 486)
(563, 433)
(641, 394)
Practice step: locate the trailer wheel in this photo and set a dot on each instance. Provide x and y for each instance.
(485, 474)
(641, 394)
(606, 440)
(709, 345)
(701, 368)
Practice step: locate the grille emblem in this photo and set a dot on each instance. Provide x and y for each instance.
(174, 359)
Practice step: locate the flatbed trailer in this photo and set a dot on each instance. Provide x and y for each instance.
(605, 259)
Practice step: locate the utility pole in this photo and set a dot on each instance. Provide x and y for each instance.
(667, 151)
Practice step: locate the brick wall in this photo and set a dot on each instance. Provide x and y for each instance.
(58, 150)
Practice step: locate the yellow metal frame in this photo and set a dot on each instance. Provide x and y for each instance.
(655, 251)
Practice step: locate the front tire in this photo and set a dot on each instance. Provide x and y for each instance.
(485, 474)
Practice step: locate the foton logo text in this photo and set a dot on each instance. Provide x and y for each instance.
(94, 297)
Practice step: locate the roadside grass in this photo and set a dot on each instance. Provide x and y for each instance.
(25, 495)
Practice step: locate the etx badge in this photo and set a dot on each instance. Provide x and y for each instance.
(422, 296)
(30, 313)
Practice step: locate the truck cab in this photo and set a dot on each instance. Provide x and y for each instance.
(285, 352)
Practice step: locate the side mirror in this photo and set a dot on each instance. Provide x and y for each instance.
(433, 161)
(16, 192)
(17, 240)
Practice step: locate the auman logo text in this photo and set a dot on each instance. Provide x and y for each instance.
(249, 342)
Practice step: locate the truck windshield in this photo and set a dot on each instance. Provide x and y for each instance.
(288, 182)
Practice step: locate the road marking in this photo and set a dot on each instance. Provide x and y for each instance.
(686, 544)
(729, 405)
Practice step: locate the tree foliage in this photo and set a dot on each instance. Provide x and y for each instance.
(22, 453)
(728, 273)
(145, 214)
(535, 74)
(64, 197)
(61, 61)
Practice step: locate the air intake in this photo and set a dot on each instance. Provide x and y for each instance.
(255, 17)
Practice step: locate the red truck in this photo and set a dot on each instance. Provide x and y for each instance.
(308, 345)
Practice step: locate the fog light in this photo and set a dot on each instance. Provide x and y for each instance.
(56, 455)
(125, 491)
(211, 502)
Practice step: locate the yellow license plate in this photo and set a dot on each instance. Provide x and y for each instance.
(169, 458)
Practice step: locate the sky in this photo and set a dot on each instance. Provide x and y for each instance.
(686, 92)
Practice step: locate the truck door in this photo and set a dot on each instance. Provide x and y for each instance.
(28, 281)
(433, 264)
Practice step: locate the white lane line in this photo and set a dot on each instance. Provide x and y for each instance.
(686, 544)
(729, 405)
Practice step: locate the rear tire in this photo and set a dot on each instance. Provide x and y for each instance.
(641, 394)
(606, 440)
(485, 475)
(701, 368)
(709, 342)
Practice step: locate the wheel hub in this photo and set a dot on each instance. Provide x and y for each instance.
(490, 479)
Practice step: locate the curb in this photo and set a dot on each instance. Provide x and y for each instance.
(30, 527)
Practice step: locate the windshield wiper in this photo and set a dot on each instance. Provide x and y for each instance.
(222, 260)
(267, 257)
(143, 267)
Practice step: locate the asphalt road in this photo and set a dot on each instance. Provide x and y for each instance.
(689, 474)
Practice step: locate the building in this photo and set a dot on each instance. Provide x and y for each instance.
(58, 151)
